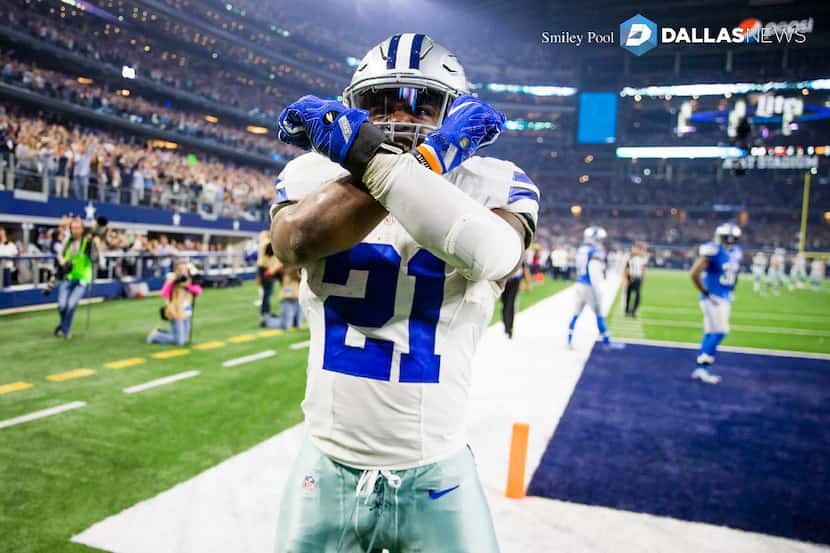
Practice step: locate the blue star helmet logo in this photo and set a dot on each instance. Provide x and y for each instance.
(638, 35)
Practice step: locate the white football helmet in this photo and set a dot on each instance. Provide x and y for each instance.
(407, 72)
(594, 235)
(728, 232)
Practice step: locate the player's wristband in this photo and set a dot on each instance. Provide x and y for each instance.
(707, 293)
(426, 156)
(369, 140)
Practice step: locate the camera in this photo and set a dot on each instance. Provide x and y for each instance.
(60, 273)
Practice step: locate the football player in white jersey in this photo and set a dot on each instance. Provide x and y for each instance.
(404, 237)
(776, 274)
(816, 273)
(798, 272)
(759, 269)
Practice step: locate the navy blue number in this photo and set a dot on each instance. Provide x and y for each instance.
(374, 360)
(377, 307)
(421, 364)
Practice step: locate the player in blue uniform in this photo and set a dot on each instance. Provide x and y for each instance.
(590, 266)
(715, 274)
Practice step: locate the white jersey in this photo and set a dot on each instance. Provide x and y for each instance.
(817, 268)
(799, 264)
(394, 330)
(759, 262)
(777, 262)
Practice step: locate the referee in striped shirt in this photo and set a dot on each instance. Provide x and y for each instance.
(635, 275)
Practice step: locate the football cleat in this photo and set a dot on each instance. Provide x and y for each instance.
(613, 346)
(705, 376)
(705, 359)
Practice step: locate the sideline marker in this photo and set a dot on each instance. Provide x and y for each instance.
(518, 460)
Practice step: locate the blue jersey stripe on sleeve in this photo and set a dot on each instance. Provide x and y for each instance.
(521, 177)
(517, 193)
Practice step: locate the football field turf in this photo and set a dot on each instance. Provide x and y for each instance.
(797, 320)
(60, 474)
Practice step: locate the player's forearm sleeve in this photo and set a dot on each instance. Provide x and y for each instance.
(443, 219)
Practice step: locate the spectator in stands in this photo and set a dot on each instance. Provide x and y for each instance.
(180, 293)
(82, 153)
(63, 171)
(7, 248)
(165, 248)
(559, 262)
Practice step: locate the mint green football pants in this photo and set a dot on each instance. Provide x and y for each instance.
(437, 508)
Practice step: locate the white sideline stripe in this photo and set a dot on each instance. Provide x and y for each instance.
(743, 328)
(41, 414)
(160, 382)
(249, 358)
(300, 345)
(780, 316)
(732, 349)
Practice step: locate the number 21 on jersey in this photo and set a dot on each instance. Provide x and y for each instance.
(382, 264)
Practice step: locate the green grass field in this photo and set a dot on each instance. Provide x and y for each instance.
(61, 474)
(796, 321)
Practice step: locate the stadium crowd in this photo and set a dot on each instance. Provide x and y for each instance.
(123, 253)
(121, 103)
(177, 60)
(85, 164)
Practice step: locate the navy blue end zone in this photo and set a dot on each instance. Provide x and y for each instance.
(752, 452)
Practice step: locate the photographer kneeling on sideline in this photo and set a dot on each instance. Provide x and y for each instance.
(75, 271)
(179, 291)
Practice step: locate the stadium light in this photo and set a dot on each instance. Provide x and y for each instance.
(253, 129)
(576, 210)
(671, 152)
(128, 72)
(721, 89)
(526, 89)
(211, 119)
(84, 80)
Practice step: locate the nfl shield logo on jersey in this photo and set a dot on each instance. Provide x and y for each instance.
(309, 484)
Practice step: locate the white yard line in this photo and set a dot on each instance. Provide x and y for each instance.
(300, 345)
(733, 349)
(249, 358)
(43, 413)
(160, 382)
(738, 313)
(743, 328)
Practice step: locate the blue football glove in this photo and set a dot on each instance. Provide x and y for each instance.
(325, 126)
(469, 126)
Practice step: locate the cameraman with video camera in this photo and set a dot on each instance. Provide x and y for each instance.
(75, 272)
(180, 292)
